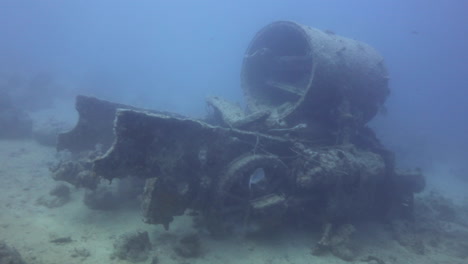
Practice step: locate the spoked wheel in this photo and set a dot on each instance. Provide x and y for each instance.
(253, 187)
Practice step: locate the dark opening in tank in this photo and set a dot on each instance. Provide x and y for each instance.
(278, 65)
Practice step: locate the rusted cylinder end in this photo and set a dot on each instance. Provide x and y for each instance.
(299, 74)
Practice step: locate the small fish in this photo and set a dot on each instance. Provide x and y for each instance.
(257, 176)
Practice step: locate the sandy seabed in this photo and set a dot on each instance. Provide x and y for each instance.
(29, 227)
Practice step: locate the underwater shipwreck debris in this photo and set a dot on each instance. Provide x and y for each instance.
(102, 198)
(166, 151)
(238, 198)
(230, 115)
(405, 183)
(301, 74)
(183, 180)
(75, 171)
(301, 149)
(95, 125)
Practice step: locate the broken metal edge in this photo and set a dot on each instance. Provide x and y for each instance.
(122, 112)
(112, 164)
(95, 124)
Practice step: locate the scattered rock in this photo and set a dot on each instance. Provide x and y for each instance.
(9, 255)
(189, 246)
(134, 246)
(61, 240)
(81, 253)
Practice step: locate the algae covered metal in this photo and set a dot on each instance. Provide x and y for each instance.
(301, 151)
(301, 74)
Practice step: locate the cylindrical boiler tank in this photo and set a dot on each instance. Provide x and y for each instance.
(302, 74)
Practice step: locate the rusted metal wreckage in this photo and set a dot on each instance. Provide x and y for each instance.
(301, 150)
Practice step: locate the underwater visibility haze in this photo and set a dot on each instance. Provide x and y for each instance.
(233, 131)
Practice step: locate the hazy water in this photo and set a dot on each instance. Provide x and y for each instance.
(170, 55)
